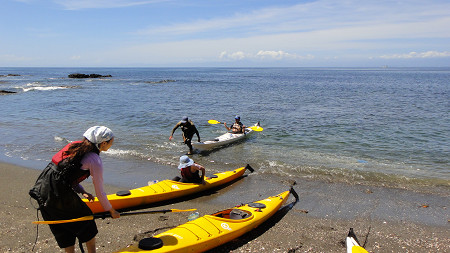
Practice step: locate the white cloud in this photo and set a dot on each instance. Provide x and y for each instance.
(279, 55)
(321, 15)
(262, 55)
(233, 56)
(102, 4)
(428, 54)
(75, 58)
(309, 32)
(318, 30)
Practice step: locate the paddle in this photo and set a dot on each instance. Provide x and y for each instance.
(254, 128)
(96, 216)
(214, 122)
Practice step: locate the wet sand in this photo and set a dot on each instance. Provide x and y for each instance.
(389, 220)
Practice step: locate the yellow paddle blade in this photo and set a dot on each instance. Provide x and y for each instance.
(91, 217)
(185, 210)
(212, 121)
(256, 128)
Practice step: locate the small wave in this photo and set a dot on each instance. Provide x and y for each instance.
(61, 139)
(124, 153)
(40, 87)
(119, 153)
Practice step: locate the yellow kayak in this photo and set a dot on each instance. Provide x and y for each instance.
(353, 245)
(210, 231)
(164, 190)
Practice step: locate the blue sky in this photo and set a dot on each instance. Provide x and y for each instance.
(229, 33)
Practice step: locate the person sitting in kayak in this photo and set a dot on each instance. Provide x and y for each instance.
(188, 128)
(190, 171)
(237, 127)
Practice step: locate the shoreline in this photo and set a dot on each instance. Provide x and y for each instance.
(393, 220)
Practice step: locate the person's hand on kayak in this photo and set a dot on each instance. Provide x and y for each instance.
(89, 196)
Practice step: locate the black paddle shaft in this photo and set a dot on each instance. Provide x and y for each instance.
(107, 215)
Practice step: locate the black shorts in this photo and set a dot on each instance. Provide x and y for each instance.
(66, 233)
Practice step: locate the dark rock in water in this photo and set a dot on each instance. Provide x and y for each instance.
(6, 92)
(95, 76)
(78, 75)
(9, 75)
(98, 76)
(162, 81)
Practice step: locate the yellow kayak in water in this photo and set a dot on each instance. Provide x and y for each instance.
(164, 190)
(210, 231)
(353, 245)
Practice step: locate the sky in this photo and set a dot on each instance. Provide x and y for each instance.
(224, 33)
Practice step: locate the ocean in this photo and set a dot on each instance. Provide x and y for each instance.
(374, 126)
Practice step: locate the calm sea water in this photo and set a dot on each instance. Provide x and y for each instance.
(372, 126)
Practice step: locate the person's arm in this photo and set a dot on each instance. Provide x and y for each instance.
(93, 162)
(173, 130)
(79, 189)
(196, 167)
(203, 173)
(225, 124)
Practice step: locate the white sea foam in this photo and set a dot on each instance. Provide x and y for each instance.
(122, 153)
(61, 139)
(42, 87)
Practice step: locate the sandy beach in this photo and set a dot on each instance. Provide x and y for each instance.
(314, 224)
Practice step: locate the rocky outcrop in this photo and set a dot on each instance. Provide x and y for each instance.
(3, 92)
(9, 75)
(78, 75)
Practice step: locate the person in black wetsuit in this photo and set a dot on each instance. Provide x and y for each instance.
(188, 128)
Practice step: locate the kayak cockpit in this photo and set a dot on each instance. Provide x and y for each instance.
(233, 214)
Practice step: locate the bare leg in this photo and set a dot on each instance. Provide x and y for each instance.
(90, 245)
(70, 249)
(190, 148)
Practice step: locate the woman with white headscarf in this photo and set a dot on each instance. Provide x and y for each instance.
(58, 186)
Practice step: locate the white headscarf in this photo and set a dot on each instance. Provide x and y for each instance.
(98, 134)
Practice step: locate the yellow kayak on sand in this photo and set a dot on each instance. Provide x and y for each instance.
(164, 190)
(210, 231)
(353, 245)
